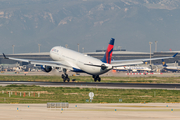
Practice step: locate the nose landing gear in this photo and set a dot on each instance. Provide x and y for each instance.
(65, 76)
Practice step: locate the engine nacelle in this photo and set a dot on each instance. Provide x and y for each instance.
(46, 68)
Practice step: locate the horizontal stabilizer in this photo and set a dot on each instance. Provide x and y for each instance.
(4, 56)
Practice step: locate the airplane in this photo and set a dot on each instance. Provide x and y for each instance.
(68, 59)
(133, 68)
(170, 68)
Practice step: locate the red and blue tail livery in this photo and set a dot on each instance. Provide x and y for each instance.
(108, 55)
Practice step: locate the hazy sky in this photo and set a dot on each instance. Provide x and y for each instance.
(90, 23)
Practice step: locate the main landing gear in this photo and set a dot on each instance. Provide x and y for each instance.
(96, 78)
(65, 76)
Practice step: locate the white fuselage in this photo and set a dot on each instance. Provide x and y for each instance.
(133, 68)
(78, 60)
(172, 68)
(138, 68)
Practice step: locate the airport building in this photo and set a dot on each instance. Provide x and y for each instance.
(117, 55)
(126, 55)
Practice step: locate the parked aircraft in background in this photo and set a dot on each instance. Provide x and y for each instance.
(170, 68)
(77, 62)
(8, 66)
(133, 68)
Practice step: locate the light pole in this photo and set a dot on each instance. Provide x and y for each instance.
(66, 45)
(150, 51)
(78, 47)
(119, 47)
(83, 49)
(13, 48)
(156, 46)
(39, 45)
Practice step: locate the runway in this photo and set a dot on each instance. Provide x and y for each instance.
(96, 85)
(91, 111)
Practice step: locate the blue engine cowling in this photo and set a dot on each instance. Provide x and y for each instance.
(46, 68)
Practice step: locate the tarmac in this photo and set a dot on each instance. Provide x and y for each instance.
(96, 85)
(105, 111)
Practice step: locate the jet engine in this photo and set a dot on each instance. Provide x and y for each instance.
(103, 66)
(46, 68)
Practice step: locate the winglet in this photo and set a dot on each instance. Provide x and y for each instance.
(174, 55)
(5, 56)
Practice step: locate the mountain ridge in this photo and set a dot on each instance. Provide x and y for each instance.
(91, 23)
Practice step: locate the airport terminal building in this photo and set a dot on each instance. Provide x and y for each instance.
(117, 55)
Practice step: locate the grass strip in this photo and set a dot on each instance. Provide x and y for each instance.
(81, 95)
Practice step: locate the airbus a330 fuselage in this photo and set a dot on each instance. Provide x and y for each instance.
(78, 61)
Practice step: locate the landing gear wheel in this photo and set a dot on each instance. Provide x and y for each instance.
(64, 80)
(65, 76)
(96, 78)
(62, 76)
(99, 79)
(68, 79)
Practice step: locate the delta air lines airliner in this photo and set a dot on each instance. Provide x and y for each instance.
(77, 62)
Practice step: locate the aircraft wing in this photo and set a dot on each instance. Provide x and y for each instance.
(61, 64)
(117, 63)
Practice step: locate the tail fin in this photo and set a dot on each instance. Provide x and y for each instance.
(164, 63)
(108, 55)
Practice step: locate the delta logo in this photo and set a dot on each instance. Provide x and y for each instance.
(54, 50)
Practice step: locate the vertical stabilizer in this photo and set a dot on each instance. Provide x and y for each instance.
(164, 63)
(108, 55)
